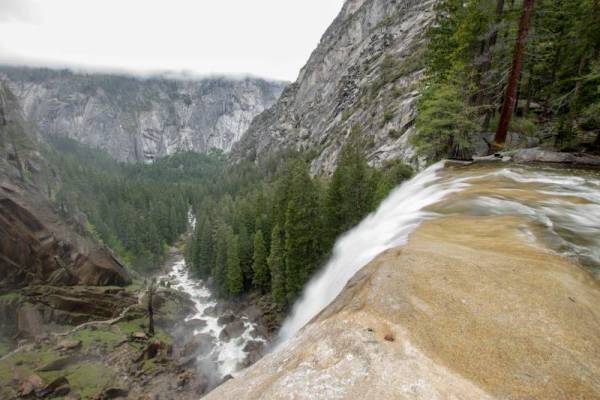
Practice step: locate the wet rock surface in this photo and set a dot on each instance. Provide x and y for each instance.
(447, 315)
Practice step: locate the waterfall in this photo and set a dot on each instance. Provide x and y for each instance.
(562, 204)
(388, 227)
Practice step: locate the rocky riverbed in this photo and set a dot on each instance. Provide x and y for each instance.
(222, 337)
(199, 342)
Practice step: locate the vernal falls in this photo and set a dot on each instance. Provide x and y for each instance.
(473, 281)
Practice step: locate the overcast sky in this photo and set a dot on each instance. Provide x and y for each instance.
(267, 38)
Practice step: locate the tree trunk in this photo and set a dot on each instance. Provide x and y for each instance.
(513, 80)
(151, 309)
(487, 65)
(529, 92)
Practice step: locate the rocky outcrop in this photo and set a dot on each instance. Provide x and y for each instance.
(140, 119)
(364, 73)
(541, 155)
(36, 245)
(467, 309)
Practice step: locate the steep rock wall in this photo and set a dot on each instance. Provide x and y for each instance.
(140, 119)
(36, 245)
(365, 73)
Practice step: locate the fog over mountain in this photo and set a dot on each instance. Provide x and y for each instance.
(203, 37)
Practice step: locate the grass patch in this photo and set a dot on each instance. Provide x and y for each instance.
(89, 379)
(21, 365)
(86, 379)
(90, 338)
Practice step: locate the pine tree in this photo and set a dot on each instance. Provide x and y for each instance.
(445, 123)
(511, 89)
(218, 267)
(235, 280)
(261, 279)
(349, 197)
(303, 230)
(205, 248)
(246, 252)
(277, 267)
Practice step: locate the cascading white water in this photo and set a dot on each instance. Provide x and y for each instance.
(389, 226)
(563, 203)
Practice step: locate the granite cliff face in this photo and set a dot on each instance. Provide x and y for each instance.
(364, 73)
(140, 119)
(36, 245)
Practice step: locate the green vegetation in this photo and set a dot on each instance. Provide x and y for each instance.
(267, 227)
(134, 209)
(260, 269)
(444, 122)
(469, 54)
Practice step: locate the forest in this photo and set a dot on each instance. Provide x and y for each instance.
(497, 66)
(133, 209)
(269, 229)
(264, 227)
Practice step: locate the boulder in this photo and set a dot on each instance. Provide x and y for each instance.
(232, 330)
(139, 336)
(254, 346)
(210, 311)
(195, 323)
(199, 344)
(59, 364)
(253, 312)
(226, 318)
(75, 305)
(68, 344)
(56, 388)
(254, 350)
(201, 383)
(114, 393)
(29, 321)
(186, 361)
(31, 384)
(38, 247)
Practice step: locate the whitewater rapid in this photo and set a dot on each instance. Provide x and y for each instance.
(227, 354)
(566, 208)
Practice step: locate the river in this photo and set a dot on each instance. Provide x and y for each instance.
(227, 353)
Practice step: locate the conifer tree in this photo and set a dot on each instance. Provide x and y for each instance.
(246, 252)
(277, 267)
(235, 279)
(261, 278)
(510, 97)
(205, 248)
(349, 196)
(303, 230)
(221, 234)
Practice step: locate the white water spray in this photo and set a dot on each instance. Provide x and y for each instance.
(397, 217)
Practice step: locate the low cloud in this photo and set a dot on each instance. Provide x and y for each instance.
(18, 11)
